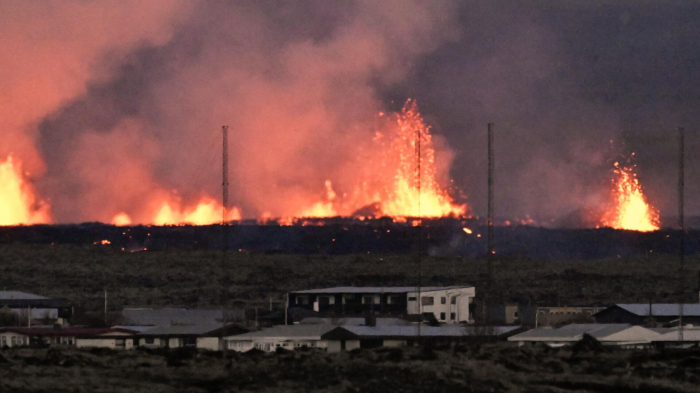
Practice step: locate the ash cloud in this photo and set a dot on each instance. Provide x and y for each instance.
(136, 103)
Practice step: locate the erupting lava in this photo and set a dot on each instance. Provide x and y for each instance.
(207, 212)
(630, 209)
(18, 203)
(400, 176)
(121, 220)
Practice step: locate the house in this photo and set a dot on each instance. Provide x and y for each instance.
(333, 338)
(623, 335)
(401, 336)
(326, 337)
(555, 316)
(37, 307)
(80, 337)
(192, 336)
(445, 304)
(179, 316)
(645, 313)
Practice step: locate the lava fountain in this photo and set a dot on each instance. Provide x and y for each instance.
(206, 212)
(18, 202)
(630, 209)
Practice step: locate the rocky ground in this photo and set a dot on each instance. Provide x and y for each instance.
(459, 368)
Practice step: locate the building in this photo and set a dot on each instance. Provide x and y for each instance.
(623, 335)
(70, 336)
(556, 316)
(39, 308)
(512, 314)
(333, 338)
(649, 314)
(354, 321)
(193, 336)
(668, 338)
(445, 304)
(329, 338)
(179, 317)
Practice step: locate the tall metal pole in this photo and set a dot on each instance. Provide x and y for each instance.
(419, 242)
(224, 227)
(490, 251)
(681, 224)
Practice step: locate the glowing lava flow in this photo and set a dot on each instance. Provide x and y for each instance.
(18, 203)
(630, 209)
(398, 179)
(207, 212)
(403, 198)
(121, 220)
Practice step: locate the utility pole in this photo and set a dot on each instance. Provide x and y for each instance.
(681, 224)
(224, 228)
(489, 242)
(105, 306)
(419, 241)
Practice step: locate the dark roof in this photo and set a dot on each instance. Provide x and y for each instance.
(65, 332)
(174, 316)
(375, 290)
(194, 330)
(659, 310)
(34, 303)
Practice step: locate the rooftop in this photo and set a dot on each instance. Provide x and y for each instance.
(288, 331)
(380, 289)
(19, 295)
(172, 317)
(661, 310)
(575, 332)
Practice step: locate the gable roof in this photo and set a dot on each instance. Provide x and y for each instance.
(691, 334)
(19, 295)
(428, 331)
(659, 310)
(311, 332)
(180, 330)
(602, 332)
(66, 332)
(375, 290)
(172, 317)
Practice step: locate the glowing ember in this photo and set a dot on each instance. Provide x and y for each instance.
(467, 231)
(207, 212)
(630, 209)
(121, 220)
(103, 242)
(18, 203)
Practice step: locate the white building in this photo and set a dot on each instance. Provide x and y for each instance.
(446, 304)
(623, 335)
(13, 339)
(71, 336)
(329, 338)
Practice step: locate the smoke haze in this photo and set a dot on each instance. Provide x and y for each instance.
(117, 106)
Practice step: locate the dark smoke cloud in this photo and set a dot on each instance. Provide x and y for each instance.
(300, 84)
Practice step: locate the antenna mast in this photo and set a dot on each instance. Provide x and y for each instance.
(419, 255)
(225, 175)
(490, 252)
(681, 223)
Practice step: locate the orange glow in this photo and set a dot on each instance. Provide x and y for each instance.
(393, 180)
(103, 242)
(19, 204)
(207, 212)
(630, 210)
(467, 231)
(121, 220)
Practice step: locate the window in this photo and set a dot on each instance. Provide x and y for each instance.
(452, 316)
(394, 299)
(367, 299)
(150, 340)
(515, 314)
(443, 300)
(302, 300)
(119, 342)
(442, 316)
(453, 300)
(3, 341)
(412, 299)
(427, 300)
(14, 341)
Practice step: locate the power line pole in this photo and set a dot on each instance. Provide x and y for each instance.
(419, 243)
(681, 224)
(224, 227)
(489, 241)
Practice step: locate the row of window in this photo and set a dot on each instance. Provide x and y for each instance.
(430, 300)
(327, 300)
(452, 316)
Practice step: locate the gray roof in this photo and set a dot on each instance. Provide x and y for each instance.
(4, 295)
(379, 289)
(287, 331)
(572, 332)
(428, 331)
(180, 330)
(353, 321)
(171, 317)
(661, 310)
